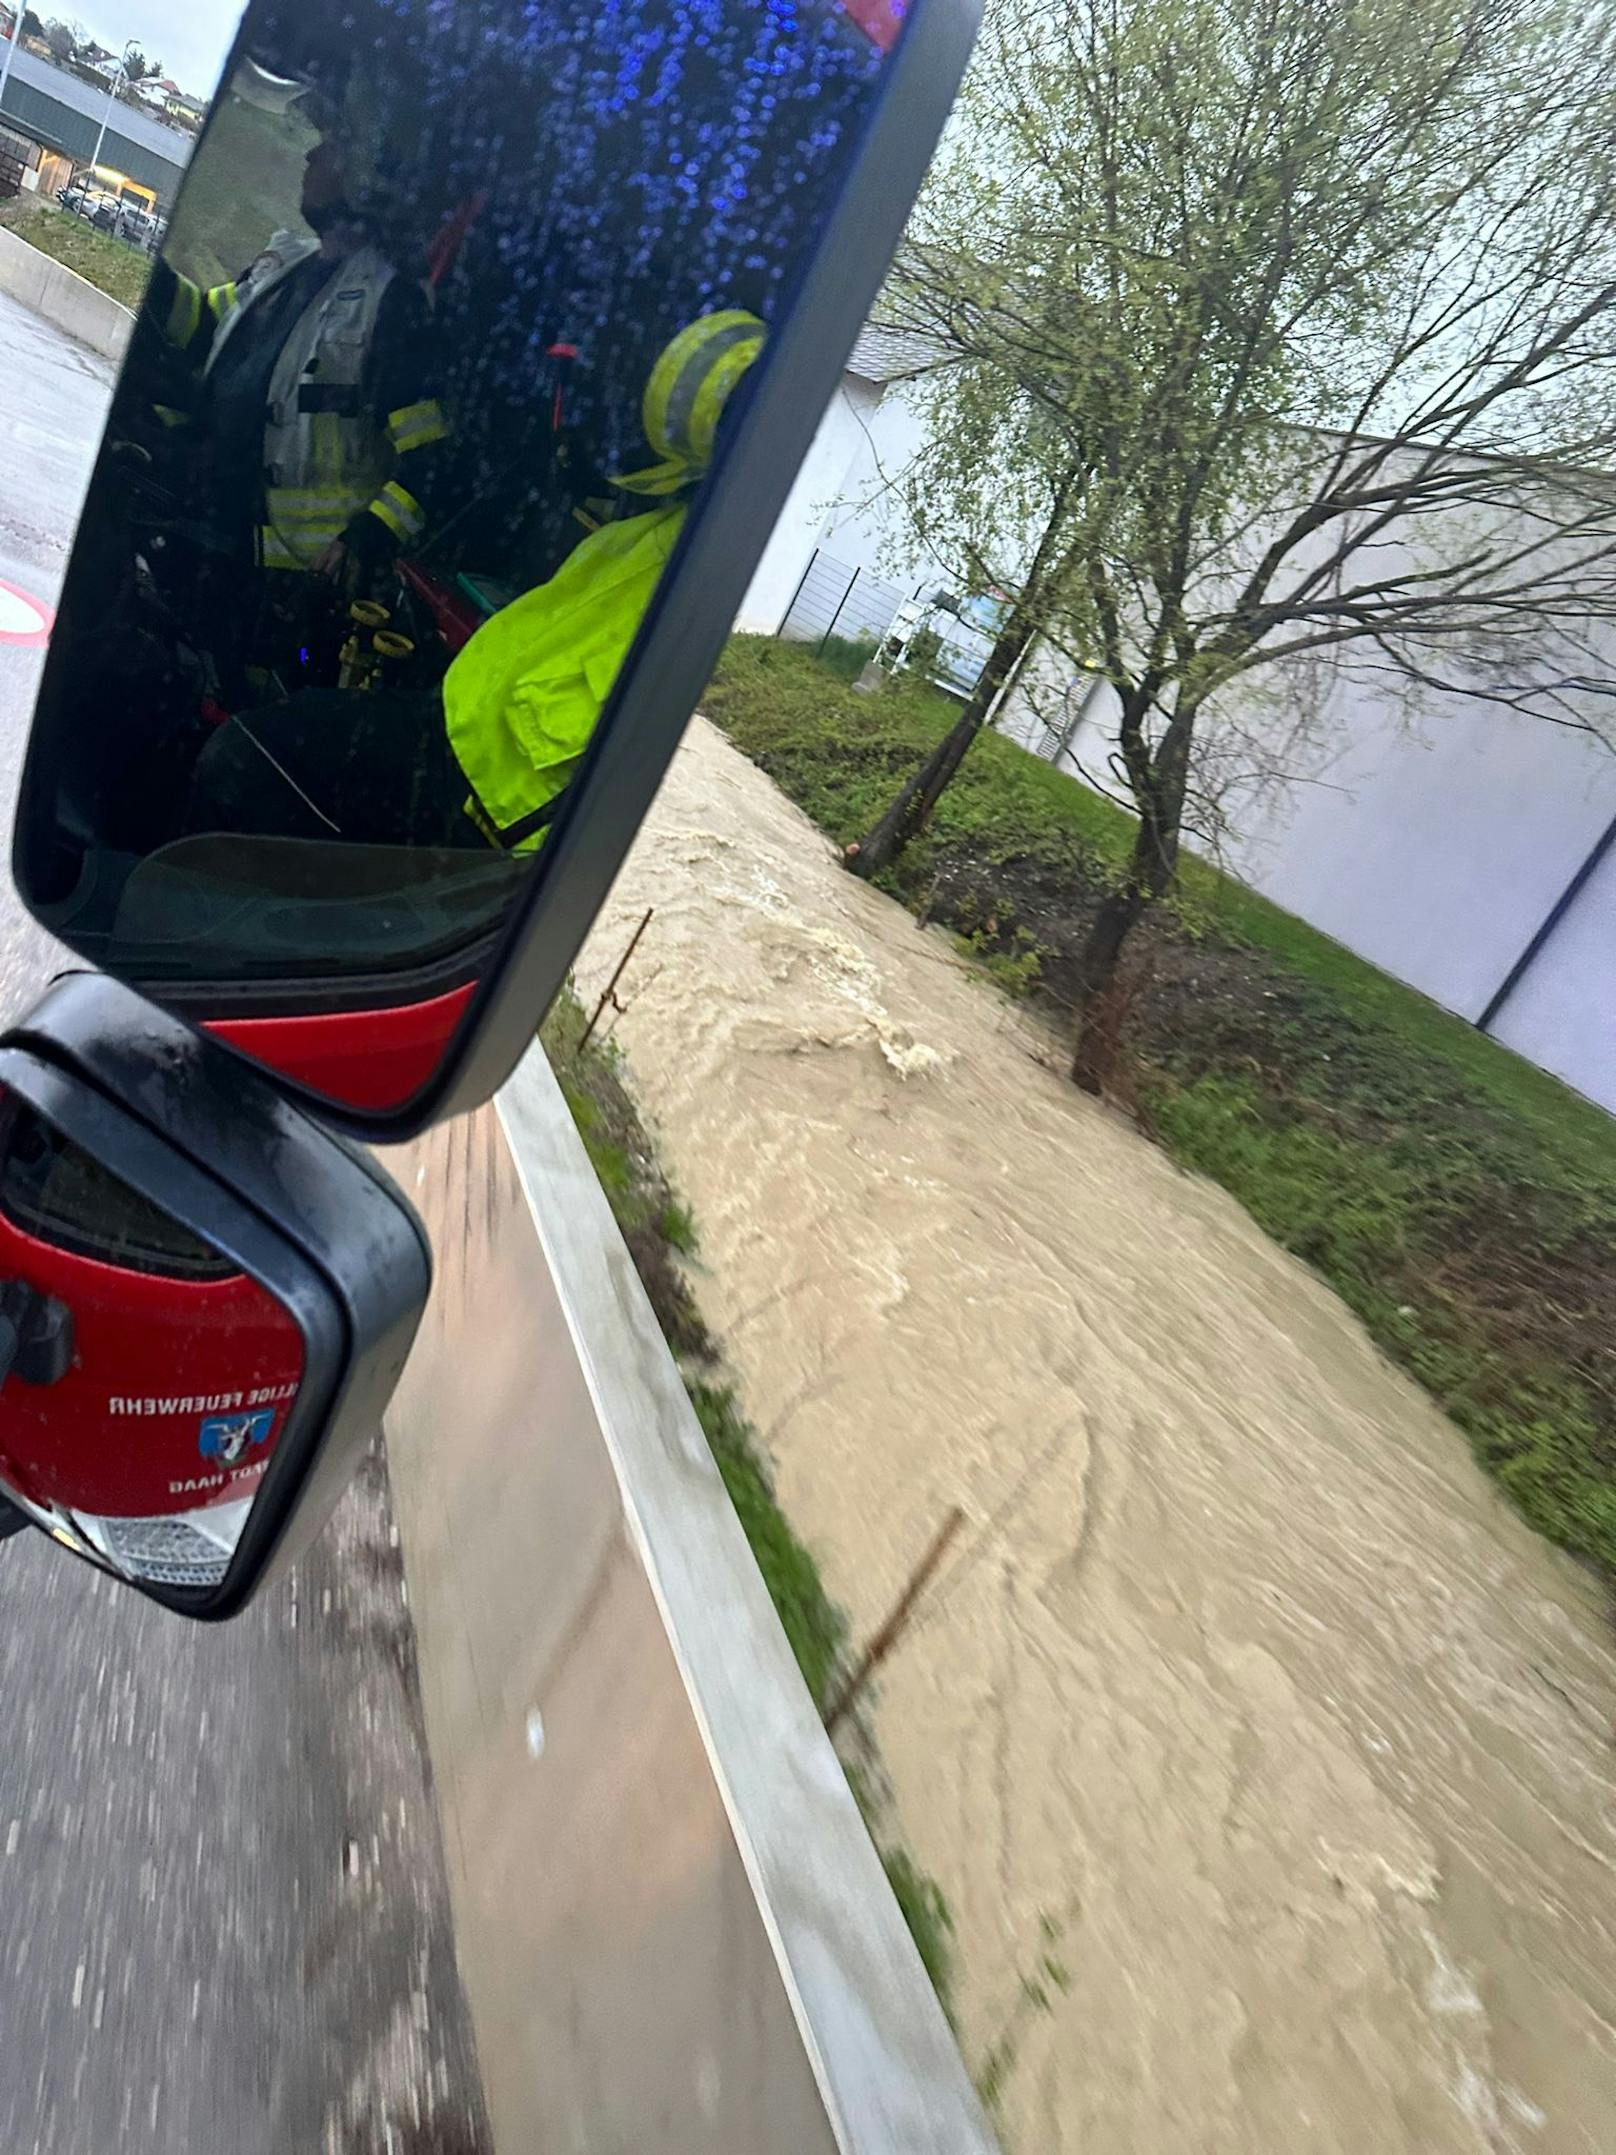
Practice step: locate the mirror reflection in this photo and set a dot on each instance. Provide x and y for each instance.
(457, 311)
(146, 1378)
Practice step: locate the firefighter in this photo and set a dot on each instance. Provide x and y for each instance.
(485, 759)
(521, 701)
(318, 417)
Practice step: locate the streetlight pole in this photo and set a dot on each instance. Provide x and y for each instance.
(12, 43)
(106, 115)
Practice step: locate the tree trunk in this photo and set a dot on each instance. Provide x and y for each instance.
(1099, 989)
(911, 811)
(922, 790)
(1151, 868)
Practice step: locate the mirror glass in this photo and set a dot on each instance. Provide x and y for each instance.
(455, 314)
(146, 1378)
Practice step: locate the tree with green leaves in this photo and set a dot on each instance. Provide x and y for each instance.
(1270, 332)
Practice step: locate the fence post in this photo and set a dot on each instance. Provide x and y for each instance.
(797, 594)
(835, 617)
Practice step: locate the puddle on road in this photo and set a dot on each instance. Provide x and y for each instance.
(1244, 1687)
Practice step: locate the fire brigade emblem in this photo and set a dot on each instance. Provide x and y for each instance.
(228, 1438)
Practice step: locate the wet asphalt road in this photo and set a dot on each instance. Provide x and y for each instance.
(223, 1915)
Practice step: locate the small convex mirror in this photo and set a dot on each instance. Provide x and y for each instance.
(202, 1312)
(452, 338)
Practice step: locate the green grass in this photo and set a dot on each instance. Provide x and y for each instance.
(660, 1232)
(1559, 1118)
(677, 1227)
(842, 755)
(1461, 1201)
(815, 1626)
(926, 1913)
(847, 656)
(244, 186)
(109, 264)
(1017, 970)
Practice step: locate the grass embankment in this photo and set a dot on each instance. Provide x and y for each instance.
(248, 188)
(661, 1237)
(109, 264)
(1462, 1202)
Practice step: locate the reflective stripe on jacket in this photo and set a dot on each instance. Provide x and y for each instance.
(327, 455)
(197, 313)
(523, 697)
(325, 459)
(194, 307)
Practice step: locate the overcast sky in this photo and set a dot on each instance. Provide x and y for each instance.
(189, 37)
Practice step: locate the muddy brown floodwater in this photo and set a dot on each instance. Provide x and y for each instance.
(1243, 1687)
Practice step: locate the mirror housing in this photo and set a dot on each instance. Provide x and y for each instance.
(206, 1301)
(361, 833)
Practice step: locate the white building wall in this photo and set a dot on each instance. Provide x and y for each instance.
(1433, 846)
(868, 528)
(1435, 849)
(1562, 1013)
(822, 481)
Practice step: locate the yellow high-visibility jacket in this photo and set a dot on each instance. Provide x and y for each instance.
(522, 699)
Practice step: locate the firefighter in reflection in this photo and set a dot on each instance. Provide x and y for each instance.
(485, 759)
(318, 417)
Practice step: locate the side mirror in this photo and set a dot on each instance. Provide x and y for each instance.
(485, 343)
(205, 1302)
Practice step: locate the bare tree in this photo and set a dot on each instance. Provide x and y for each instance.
(1317, 302)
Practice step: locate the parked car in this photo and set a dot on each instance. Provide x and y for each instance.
(115, 215)
(140, 227)
(96, 205)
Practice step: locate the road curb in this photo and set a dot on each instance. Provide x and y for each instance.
(672, 1926)
(61, 297)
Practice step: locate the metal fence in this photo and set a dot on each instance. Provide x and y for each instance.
(17, 156)
(835, 599)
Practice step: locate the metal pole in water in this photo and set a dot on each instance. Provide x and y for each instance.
(611, 985)
(883, 1641)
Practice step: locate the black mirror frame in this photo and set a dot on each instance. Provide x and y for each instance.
(217, 1147)
(683, 633)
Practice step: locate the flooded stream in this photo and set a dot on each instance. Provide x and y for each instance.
(1242, 1694)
